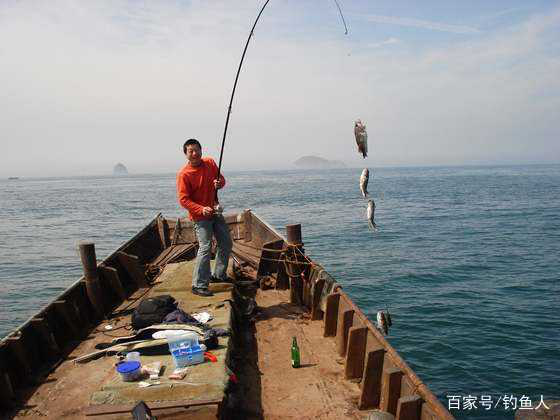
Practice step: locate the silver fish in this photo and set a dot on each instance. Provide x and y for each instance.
(364, 179)
(361, 137)
(371, 214)
(382, 323)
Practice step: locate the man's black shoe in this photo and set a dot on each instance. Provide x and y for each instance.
(202, 292)
(214, 279)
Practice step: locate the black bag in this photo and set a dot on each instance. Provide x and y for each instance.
(152, 311)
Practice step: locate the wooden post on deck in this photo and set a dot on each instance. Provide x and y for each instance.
(345, 321)
(331, 315)
(355, 353)
(93, 285)
(370, 396)
(294, 253)
(391, 390)
(409, 408)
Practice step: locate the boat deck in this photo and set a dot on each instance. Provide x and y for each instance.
(347, 366)
(275, 390)
(75, 390)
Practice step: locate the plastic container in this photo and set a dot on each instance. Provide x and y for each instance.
(186, 356)
(130, 371)
(182, 340)
(133, 356)
(185, 349)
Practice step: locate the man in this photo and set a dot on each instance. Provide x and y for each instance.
(197, 183)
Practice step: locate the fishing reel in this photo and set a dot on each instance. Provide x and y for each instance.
(218, 209)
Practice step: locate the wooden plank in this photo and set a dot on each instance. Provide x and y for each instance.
(248, 222)
(131, 264)
(331, 315)
(345, 320)
(49, 345)
(163, 230)
(282, 279)
(111, 275)
(77, 299)
(61, 335)
(409, 408)
(356, 348)
(67, 313)
(307, 297)
(31, 343)
(106, 409)
(370, 396)
(316, 312)
(20, 356)
(391, 390)
(83, 304)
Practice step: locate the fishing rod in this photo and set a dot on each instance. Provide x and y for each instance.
(233, 91)
(237, 78)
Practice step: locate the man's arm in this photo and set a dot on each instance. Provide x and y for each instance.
(183, 195)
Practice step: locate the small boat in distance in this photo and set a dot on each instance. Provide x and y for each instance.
(13, 177)
(59, 362)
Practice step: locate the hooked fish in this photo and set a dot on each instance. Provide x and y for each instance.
(361, 137)
(364, 179)
(371, 214)
(388, 318)
(382, 323)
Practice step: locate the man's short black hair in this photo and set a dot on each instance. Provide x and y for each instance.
(190, 142)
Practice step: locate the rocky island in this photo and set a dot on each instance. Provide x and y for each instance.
(316, 162)
(120, 170)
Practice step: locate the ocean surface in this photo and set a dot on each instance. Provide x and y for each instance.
(467, 259)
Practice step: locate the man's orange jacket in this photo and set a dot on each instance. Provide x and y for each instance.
(195, 187)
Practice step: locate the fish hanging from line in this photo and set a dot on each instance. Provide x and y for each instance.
(371, 215)
(382, 323)
(364, 179)
(361, 137)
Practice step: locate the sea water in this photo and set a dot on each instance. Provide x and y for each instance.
(466, 259)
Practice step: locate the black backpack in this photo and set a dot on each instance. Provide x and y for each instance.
(152, 311)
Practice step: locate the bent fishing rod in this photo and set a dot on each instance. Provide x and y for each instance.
(237, 78)
(234, 86)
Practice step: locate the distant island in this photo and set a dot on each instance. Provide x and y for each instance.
(316, 162)
(120, 169)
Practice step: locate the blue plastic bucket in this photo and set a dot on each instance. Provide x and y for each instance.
(130, 371)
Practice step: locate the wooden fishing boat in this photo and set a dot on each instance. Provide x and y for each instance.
(50, 366)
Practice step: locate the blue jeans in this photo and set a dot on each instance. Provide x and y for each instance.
(204, 230)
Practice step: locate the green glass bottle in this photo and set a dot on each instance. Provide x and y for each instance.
(295, 354)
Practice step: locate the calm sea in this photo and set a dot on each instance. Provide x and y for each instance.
(467, 259)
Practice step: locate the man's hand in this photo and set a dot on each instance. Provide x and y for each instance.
(207, 211)
(218, 184)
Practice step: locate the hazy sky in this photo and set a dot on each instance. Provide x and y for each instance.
(86, 84)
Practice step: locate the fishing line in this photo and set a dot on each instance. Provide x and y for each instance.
(237, 78)
(233, 91)
(342, 16)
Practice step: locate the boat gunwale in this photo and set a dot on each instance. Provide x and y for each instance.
(74, 285)
(419, 387)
